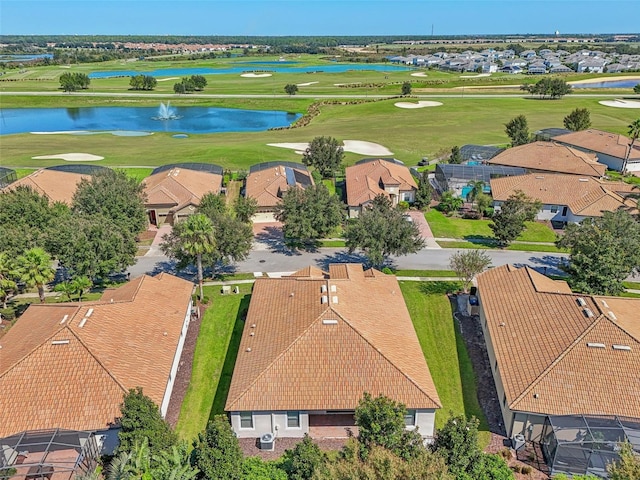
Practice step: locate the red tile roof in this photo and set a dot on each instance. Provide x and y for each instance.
(57, 186)
(179, 187)
(68, 366)
(554, 356)
(363, 180)
(302, 352)
(602, 142)
(267, 186)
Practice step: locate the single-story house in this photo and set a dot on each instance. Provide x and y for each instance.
(609, 148)
(566, 198)
(314, 343)
(457, 178)
(68, 365)
(268, 182)
(174, 191)
(554, 352)
(550, 157)
(371, 177)
(57, 183)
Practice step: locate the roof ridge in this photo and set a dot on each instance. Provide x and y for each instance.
(553, 364)
(390, 362)
(277, 357)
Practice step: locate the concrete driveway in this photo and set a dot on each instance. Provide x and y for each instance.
(425, 230)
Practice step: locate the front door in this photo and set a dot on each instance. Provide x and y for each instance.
(152, 217)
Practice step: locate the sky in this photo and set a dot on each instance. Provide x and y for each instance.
(317, 17)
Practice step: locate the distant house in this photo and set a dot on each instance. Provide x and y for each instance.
(268, 182)
(58, 183)
(174, 191)
(550, 157)
(554, 352)
(591, 65)
(566, 198)
(609, 148)
(314, 343)
(68, 365)
(371, 177)
(560, 69)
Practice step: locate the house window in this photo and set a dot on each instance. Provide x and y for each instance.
(293, 419)
(554, 208)
(406, 196)
(504, 400)
(410, 418)
(246, 420)
(564, 211)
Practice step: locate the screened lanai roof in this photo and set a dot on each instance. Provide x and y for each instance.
(80, 168)
(479, 153)
(7, 176)
(481, 173)
(585, 429)
(266, 165)
(198, 167)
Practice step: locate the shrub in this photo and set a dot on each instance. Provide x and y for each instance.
(387, 271)
(404, 206)
(526, 469)
(505, 453)
(472, 215)
(7, 313)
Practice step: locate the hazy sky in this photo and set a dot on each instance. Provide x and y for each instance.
(317, 17)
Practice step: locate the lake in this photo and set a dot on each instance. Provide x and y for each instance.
(608, 84)
(179, 72)
(189, 119)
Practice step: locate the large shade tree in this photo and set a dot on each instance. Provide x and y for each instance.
(35, 269)
(518, 130)
(325, 154)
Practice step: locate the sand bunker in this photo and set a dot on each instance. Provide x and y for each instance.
(420, 104)
(167, 79)
(354, 146)
(255, 75)
(307, 84)
(621, 103)
(419, 74)
(70, 157)
(476, 76)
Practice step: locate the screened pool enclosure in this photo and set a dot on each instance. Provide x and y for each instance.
(579, 445)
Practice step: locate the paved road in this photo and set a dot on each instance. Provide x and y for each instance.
(280, 260)
(461, 94)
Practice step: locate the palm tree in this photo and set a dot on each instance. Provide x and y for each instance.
(34, 269)
(196, 238)
(634, 133)
(80, 285)
(7, 278)
(476, 189)
(65, 287)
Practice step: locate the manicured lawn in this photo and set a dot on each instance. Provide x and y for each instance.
(330, 186)
(23, 172)
(425, 273)
(443, 226)
(632, 285)
(138, 173)
(522, 247)
(213, 361)
(445, 351)
(332, 243)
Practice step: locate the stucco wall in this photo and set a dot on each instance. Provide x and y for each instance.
(270, 422)
(426, 421)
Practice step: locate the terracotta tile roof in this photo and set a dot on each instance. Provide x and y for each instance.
(585, 196)
(363, 180)
(57, 186)
(179, 187)
(602, 142)
(299, 352)
(550, 157)
(267, 186)
(547, 345)
(113, 346)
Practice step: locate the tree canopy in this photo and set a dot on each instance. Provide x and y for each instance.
(604, 251)
(509, 221)
(325, 154)
(309, 214)
(143, 82)
(382, 230)
(549, 87)
(456, 156)
(216, 452)
(406, 88)
(35, 269)
(518, 130)
(291, 88)
(424, 193)
(578, 119)
(70, 82)
(467, 264)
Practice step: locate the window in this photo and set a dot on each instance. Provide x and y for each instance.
(246, 420)
(410, 418)
(293, 419)
(406, 196)
(504, 400)
(554, 208)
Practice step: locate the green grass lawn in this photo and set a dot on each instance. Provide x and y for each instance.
(443, 226)
(522, 247)
(445, 351)
(213, 361)
(425, 273)
(632, 285)
(138, 174)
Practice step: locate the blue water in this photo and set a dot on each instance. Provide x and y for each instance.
(608, 84)
(24, 57)
(192, 119)
(170, 72)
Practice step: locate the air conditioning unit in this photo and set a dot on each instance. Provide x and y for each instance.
(267, 441)
(518, 441)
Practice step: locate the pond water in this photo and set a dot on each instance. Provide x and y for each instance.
(608, 84)
(135, 119)
(24, 57)
(170, 72)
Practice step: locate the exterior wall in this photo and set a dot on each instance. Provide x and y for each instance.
(162, 211)
(528, 424)
(270, 422)
(408, 196)
(354, 212)
(107, 440)
(547, 213)
(633, 167)
(184, 213)
(425, 422)
(176, 361)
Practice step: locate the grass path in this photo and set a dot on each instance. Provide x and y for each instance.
(445, 352)
(213, 360)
